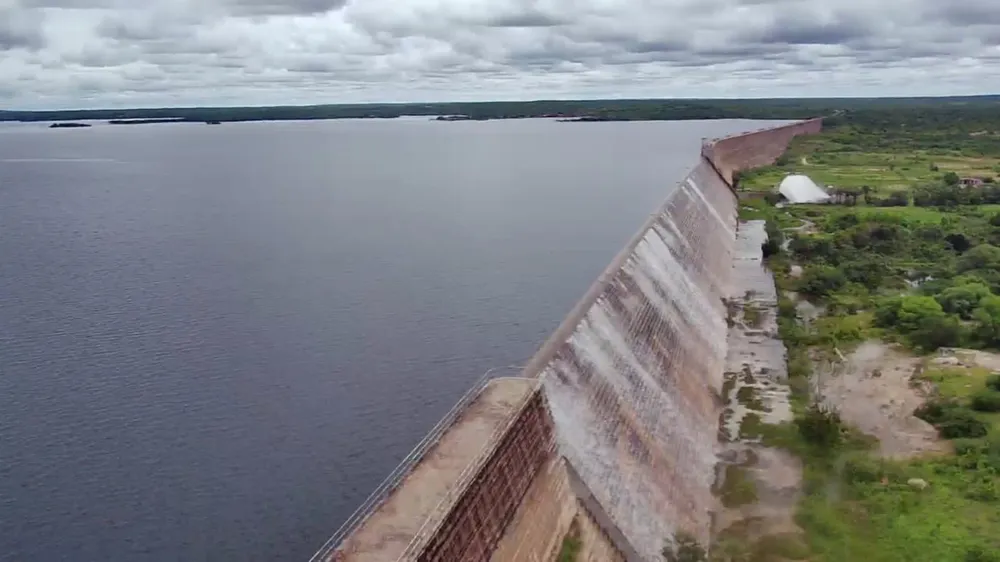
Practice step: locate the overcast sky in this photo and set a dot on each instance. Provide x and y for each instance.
(113, 53)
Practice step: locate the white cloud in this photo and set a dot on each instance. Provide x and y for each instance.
(93, 53)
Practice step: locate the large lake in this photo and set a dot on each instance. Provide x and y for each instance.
(215, 341)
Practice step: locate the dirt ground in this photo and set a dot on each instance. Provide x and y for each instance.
(967, 358)
(874, 389)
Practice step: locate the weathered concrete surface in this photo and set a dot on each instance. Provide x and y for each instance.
(542, 520)
(595, 545)
(760, 148)
(547, 513)
(632, 378)
(385, 535)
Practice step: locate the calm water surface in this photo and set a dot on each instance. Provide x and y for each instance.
(215, 341)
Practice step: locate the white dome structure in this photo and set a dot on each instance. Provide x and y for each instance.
(797, 188)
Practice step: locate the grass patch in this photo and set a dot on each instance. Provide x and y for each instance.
(737, 487)
(753, 317)
(751, 426)
(889, 521)
(834, 158)
(962, 384)
(858, 507)
(918, 215)
(749, 397)
(735, 545)
(570, 549)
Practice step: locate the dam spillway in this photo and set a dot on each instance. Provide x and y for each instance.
(630, 391)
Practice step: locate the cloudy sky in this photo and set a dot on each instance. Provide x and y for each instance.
(113, 53)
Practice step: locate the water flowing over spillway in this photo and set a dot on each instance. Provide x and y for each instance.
(633, 388)
(632, 381)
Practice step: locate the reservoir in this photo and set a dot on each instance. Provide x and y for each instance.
(216, 341)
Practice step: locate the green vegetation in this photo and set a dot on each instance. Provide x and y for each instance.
(685, 548)
(958, 114)
(749, 397)
(973, 393)
(570, 548)
(909, 257)
(878, 157)
(752, 316)
(737, 487)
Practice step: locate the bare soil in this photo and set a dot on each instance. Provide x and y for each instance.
(875, 389)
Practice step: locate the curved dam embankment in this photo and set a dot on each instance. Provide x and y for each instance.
(632, 375)
(611, 431)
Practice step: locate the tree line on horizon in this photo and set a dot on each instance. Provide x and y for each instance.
(872, 113)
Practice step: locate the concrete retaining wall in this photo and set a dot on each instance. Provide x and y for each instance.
(473, 527)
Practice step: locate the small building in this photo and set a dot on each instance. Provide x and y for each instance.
(798, 189)
(970, 182)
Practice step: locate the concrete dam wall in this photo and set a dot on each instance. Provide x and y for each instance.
(633, 374)
(611, 431)
(758, 148)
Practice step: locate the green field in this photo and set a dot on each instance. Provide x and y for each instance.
(831, 160)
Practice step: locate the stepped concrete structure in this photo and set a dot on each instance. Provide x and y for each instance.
(610, 433)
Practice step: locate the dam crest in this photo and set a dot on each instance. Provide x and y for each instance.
(609, 434)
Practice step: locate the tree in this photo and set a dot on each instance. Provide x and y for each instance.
(950, 178)
(897, 199)
(987, 316)
(812, 247)
(935, 332)
(820, 426)
(915, 311)
(870, 271)
(958, 242)
(821, 280)
(920, 318)
(775, 239)
(983, 256)
(963, 299)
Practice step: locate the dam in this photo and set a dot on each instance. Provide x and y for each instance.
(609, 434)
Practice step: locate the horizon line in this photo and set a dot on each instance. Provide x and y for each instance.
(481, 102)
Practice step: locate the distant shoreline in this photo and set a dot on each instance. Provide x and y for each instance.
(562, 110)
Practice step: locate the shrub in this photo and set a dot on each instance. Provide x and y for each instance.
(986, 401)
(685, 548)
(963, 424)
(820, 426)
(963, 299)
(970, 446)
(993, 382)
(787, 309)
(933, 412)
(982, 554)
(864, 470)
(819, 281)
(952, 420)
(983, 256)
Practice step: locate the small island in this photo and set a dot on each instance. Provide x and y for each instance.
(69, 125)
(146, 121)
